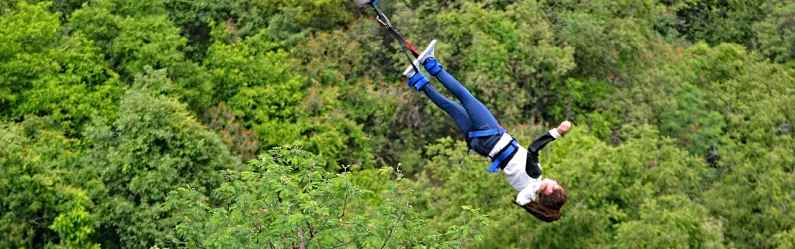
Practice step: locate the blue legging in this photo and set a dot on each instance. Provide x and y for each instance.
(470, 115)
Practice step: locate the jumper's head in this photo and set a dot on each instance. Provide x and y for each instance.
(549, 200)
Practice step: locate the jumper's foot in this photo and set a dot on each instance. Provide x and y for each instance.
(427, 53)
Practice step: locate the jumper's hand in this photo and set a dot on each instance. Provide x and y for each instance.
(564, 127)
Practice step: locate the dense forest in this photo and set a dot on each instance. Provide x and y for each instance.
(286, 124)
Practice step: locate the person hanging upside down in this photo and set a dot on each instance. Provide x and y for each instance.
(543, 198)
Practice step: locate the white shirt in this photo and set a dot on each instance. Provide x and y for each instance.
(515, 170)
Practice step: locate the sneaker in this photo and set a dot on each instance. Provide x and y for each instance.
(427, 53)
(363, 3)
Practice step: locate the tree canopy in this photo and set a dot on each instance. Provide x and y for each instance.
(286, 124)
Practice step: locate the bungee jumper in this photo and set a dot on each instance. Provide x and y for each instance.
(543, 198)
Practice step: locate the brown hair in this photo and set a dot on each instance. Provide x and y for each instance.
(547, 207)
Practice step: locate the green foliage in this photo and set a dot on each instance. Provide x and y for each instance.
(154, 147)
(75, 226)
(671, 222)
(580, 97)
(624, 43)
(25, 35)
(135, 39)
(280, 107)
(41, 204)
(240, 68)
(286, 199)
(785, 239)
(85, 88)
(688, 119)
(776, 32)
(146, 41)
(123, 124)
(240, 140)
(506, 51)
(718, 21)
(703, 117)
(643, 191)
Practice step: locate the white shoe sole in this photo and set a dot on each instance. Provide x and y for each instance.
(428, 52)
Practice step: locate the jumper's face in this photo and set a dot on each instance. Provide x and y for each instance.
(548, 186)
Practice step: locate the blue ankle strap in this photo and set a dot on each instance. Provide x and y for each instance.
(432, 66)
(418, 81)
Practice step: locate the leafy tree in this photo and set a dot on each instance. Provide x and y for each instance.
(75, 226)
(684, 131)
(776, 32)
(785, 239)
(688, 119)
(722, 76)
(40, 204)
(514, 52)
(287, 199)
(241, 66)
(240, 140)
(62, 77)
(263, 88)
(136, 38)
(717, 21)
(154, 147)
(26, 34)
(672, 222)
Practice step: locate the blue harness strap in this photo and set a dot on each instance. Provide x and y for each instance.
(485, 133)
(502, 156)
(509, 150)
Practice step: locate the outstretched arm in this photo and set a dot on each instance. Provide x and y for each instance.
(550, 136)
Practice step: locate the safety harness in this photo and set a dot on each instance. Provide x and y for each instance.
(503, 153)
